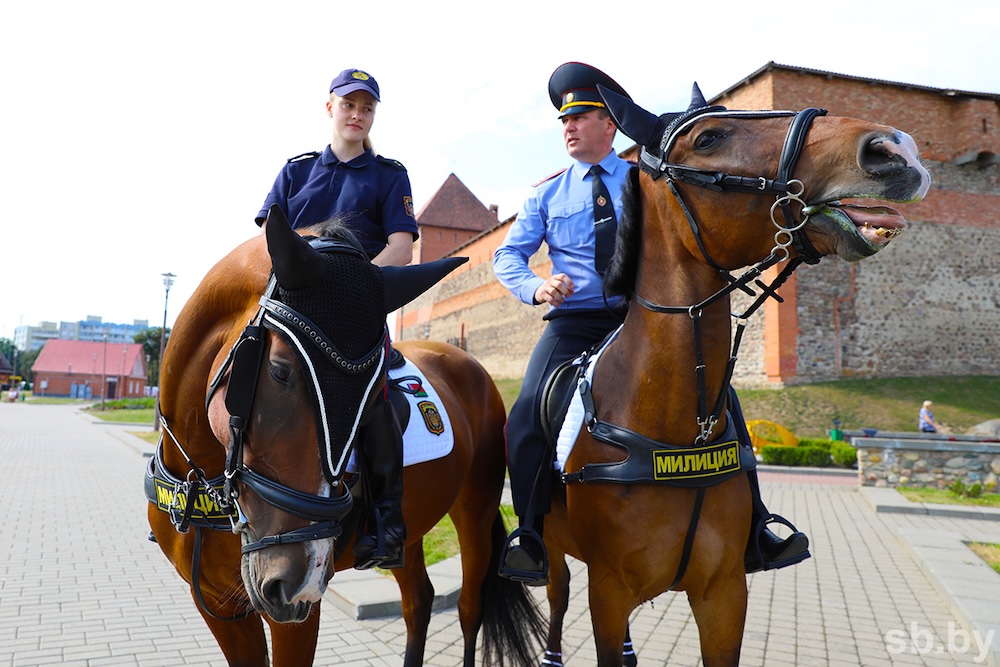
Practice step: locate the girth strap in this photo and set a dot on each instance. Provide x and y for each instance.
(689, 539)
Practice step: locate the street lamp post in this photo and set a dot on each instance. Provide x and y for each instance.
(168, 281)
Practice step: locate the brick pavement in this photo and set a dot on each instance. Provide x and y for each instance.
(81, 585)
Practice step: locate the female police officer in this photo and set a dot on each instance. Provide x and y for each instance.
(371, 195)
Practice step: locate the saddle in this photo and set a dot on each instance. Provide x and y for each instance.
(557, 396)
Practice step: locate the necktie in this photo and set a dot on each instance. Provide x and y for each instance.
(604, 221)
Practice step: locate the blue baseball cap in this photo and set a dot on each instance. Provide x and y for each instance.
(354, 79)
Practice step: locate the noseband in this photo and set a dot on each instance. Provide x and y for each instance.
(785, 190)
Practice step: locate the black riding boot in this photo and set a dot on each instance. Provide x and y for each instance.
(765, 550)
(382, 454)
(526, 561)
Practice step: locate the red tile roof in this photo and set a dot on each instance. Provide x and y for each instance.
(81, 357)
(453, 206)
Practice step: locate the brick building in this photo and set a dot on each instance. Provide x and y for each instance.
(84, 369)
(929, 304)
(452, 217)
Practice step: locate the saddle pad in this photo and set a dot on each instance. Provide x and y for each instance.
(573, 422)
(428, 434)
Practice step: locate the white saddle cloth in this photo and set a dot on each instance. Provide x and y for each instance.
(570, 430)
(428, 434)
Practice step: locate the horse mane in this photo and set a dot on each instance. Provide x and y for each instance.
(621, 273)
(334, 228)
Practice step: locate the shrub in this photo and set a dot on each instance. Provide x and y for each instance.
(843, 454)
(823, 444)
(144, 403)
(963, 490)
(796, 456)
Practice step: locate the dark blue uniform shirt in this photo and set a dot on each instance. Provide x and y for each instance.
(370, 194)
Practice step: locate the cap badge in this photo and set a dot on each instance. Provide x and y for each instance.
(361, 76)
(570, 97)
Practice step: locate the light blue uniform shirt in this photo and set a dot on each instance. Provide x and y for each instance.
(560, 212)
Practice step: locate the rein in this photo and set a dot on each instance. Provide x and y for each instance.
(785, 189)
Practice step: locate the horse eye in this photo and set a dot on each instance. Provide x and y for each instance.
(280, 372)
(707, 139)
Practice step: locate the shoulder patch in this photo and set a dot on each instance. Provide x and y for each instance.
(549, 177)
(396, 164)
(311, 155)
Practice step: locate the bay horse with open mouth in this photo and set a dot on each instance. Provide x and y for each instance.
(266, 381)
(656, 497)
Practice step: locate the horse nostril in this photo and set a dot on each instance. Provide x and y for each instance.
(880, 155)
(276, 592)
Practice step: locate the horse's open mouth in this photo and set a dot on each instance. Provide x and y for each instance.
(876, 224)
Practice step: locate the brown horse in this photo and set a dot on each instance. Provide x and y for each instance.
(264, 455)
(715, 191)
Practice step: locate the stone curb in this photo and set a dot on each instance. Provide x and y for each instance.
(970, 586)
(891, 501)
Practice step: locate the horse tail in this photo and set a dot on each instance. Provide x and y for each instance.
(512, 620)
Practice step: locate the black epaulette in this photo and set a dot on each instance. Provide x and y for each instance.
(392, 163)
(311, 155)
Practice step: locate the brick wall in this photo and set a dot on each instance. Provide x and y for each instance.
(928, 304)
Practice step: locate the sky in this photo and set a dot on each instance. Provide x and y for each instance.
(140, 138)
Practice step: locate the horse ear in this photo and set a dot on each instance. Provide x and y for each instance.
(403, 284)
(295, 263)
(698, 100)
(634, 121)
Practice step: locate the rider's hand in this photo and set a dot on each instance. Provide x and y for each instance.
(555, 290)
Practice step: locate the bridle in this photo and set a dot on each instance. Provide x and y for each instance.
(786, 191)
(243, 364)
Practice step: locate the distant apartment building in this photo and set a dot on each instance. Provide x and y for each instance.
(92, 329)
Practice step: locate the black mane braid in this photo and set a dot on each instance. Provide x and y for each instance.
(620, 277)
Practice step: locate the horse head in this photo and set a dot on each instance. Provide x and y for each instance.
(300, 381)
(749, 183)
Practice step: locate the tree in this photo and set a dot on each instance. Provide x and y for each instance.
(150, 341)
(7, 349)
(25, 360)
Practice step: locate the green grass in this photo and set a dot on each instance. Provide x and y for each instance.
(945, 497)
(508, 391)
(442, 540)
(988, 552)
(142, 416)
(890, 404)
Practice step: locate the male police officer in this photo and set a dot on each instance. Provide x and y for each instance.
(575, 213)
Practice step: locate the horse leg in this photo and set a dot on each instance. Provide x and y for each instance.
(720, 612)
(473, 524)
(294, 644)
(558, 596)
(242, 641)
(417, 599)
(629, 658)
(609, 611)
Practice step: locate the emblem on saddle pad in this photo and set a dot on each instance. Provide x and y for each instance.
(432, 418)
(414, 387)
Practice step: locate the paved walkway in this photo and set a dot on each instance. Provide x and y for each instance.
(81, 585)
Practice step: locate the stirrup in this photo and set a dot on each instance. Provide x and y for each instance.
(379, 556)
(754, 560)
(524, 575)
